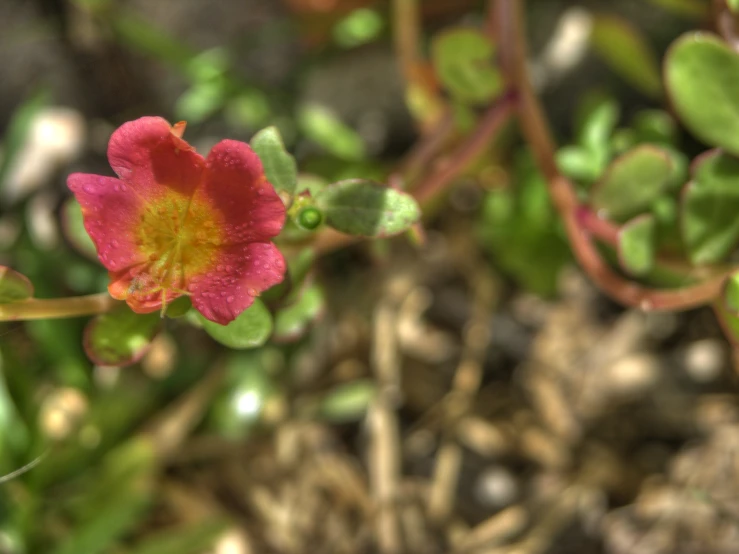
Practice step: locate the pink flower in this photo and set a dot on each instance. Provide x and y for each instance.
(174, 223)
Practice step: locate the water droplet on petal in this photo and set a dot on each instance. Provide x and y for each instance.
(230, 299)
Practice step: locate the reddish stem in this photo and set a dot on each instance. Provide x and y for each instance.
(508, 16)
(492, 121)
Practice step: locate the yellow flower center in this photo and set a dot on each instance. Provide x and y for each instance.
(180, 240)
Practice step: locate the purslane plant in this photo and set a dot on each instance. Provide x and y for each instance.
(182, 234)
(651, 229)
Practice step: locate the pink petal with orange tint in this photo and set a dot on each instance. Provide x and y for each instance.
(242, 273)
(146, 153)
(111, 215)
(234, 184)
(140, 291)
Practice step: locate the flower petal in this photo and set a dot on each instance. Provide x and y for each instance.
(147, 154)
(138, 288)
(111, 217)
(242, 273)
(235, 185)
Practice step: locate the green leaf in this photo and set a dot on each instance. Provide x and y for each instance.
(17, 131)
(120, 337)
(179, 307)
(324, 128)
(74, 230)
(636, 245)
(693, 9)
(731, 293)
(347, 402)
(100, 532)
(624, 48)
(201, 100)
(596, 119)
(733, 5)
(702, 77)
(729, 322)
(521, 230)
(578, 163)
(710, 204)
(361, 26)
(187, 539)
(14, 286)
(655, 126)
(632, 182)
(292, 321)
(366, 208)
(250, 329)
(246, 392)
(464, 60)
(279, 165)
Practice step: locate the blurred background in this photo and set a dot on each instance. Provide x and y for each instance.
(472, 394)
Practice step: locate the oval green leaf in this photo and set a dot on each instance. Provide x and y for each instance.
(279, 166)
(709, 208)
(347, 402)
(368, 209)
(292, 321)
(636, 245)
(625, 49)
(702, 77)
(120, 337)
(325, 129)
(14, 286)
(731, 293)
(464, 61)
(250, 329)
(632, 182)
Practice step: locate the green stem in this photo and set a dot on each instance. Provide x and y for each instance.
(54, 308)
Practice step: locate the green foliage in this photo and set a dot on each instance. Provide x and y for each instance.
(731, 293)
(325, 129)
(625, 49)
(709, 208)
(74, 228)
(189, 539)
(586, 160)
(694, 9)
(14, 286)
(368, 209)
(520, 229)
(464, 61)
(292, 321)
(359, 27)
(17, 131)
(702, 76)
(279, 165)
(120, 337)
(347, 402)
(250, 329)
(636, 245)
(632, 182)
(240, 404)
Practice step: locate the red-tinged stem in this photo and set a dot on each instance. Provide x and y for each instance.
(508, 17)
(492, 121)
(726, 23)
(54, 308)
(600, 228)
